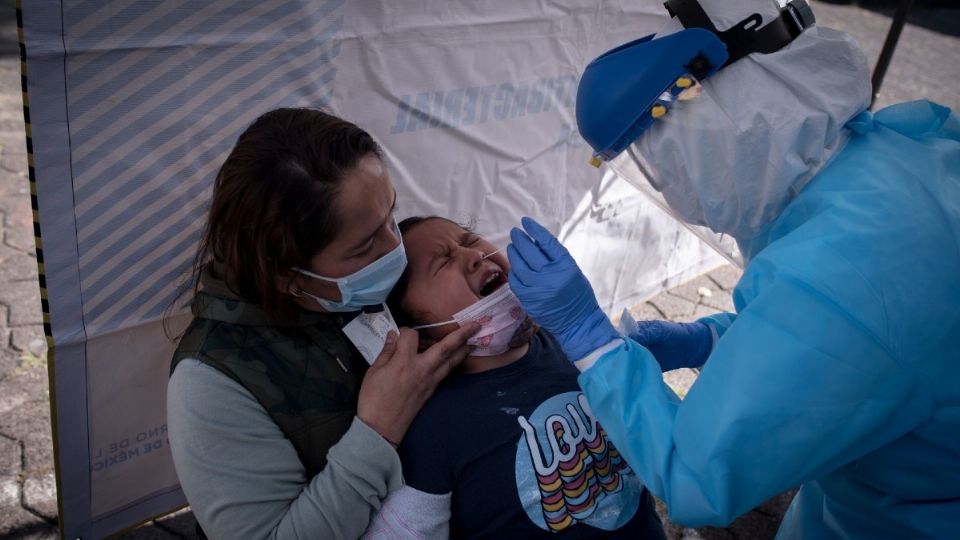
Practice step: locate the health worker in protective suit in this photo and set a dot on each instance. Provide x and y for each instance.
(840, 370)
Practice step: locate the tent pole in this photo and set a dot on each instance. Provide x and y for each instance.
(899, 19)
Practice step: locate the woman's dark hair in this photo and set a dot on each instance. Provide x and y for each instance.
(274, 201)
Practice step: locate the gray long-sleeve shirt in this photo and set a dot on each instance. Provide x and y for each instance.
(243, 478)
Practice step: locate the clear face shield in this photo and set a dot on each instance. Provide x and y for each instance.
(718, 153)
(683, 163)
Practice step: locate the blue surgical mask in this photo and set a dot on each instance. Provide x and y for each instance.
(368, 286)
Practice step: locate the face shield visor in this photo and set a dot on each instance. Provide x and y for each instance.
(684, 160)
(658, 114)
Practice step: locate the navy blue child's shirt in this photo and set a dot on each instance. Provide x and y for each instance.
(523, 456)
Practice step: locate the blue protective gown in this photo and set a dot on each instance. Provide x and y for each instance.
(840, 371)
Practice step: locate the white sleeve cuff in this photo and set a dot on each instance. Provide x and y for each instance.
(411, 514)
(589, 360)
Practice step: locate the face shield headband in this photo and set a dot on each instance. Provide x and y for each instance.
(747, 36)
(625, 90)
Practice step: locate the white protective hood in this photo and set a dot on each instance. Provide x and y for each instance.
(784, 111)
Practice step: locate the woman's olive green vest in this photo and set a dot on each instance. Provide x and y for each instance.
(305, 373)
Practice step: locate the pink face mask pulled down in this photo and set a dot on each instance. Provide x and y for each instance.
(499, 315)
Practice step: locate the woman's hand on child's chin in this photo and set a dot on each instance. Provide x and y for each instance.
(401, 380)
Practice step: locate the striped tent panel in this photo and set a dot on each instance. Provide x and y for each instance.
(149, 127)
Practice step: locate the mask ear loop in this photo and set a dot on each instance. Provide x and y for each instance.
(434, 325)
(314, 276)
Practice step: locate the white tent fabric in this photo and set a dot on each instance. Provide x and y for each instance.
(133, 105)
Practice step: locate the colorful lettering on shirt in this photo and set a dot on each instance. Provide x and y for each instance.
(567, 470)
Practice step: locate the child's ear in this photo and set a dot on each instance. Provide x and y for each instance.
(425, 341)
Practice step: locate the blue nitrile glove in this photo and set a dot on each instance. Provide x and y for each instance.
(675, 345)
(554, 291)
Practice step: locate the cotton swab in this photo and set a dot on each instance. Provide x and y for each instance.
(488, 255)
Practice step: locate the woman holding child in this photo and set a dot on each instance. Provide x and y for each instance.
(278, 427)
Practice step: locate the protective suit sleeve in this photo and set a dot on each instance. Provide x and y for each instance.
(718, 323)
(243, 477)
(794, 388)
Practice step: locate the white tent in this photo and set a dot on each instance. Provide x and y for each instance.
(132, 106)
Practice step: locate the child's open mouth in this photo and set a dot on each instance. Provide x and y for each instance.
(494, 282)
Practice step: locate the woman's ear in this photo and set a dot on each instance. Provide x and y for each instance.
(288, 282)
